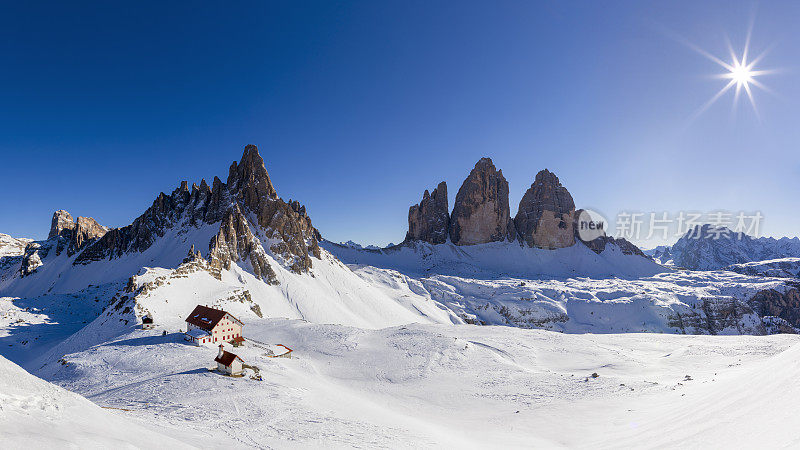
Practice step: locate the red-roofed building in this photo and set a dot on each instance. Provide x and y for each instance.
(228, 363)
(212, 326)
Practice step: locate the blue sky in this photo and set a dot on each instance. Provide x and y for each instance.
(358, 107)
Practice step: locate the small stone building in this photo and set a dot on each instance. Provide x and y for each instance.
(228, 363)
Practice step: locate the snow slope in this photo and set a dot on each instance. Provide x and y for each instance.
(498, 259)
(10, 246)
(671, 302)
(781, 267)
(59, 274)
(436, 385)
(37, 414)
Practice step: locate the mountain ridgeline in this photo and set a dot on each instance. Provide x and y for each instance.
(246, 209)
(546, 217)
(709, 247)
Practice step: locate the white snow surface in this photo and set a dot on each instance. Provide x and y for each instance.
(443, 386)
(498, 259)
(377, 361)
(11, 246)
(37, 414)
(781, 267)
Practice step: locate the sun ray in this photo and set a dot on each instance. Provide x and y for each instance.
(741, 73)
(752, 101)
(713, 100)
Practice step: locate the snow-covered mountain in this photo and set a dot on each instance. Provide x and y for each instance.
(380, 361)
(239, 246)
(708, 247)
(661, 254)
(236, 239)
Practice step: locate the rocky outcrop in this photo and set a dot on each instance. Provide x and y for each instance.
(718, 315)
(545, 215)
(86, 230)
(65, 234)
(32, 258)
(785, 305)
(429, 221)
(61, 224)
(247, 203)
(781, 268)
(295, 239)
(481, 213)
(235, 242)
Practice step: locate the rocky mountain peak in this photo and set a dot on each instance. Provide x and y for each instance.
(249, 179)
(62, 220)
(65, 234)
(481, 212)
(246, 207)
(545, 215)
(429, 221)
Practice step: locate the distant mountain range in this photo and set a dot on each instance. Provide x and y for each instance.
(708, 247)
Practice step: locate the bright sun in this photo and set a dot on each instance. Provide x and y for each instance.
(741, 75)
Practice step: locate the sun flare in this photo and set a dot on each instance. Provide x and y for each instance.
(741, 75)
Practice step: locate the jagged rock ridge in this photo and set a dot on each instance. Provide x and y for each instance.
(429, 221)
(546, 217)
(710, 247)
(65, 234)
(247, 207)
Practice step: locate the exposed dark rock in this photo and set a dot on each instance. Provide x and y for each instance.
(785, 305)
(545, 215)
(481, 213)
(628, 248)
(429, 221)
(32, 258)
(65, 234)
(714, 315)
(86, 230)
(235, 242)
(247, 196)
(62, 221)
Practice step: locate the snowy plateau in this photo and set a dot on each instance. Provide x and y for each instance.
(416, 345)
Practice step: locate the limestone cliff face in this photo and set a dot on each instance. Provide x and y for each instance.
(65, 234)
(773, 303)
(246, 204)
(72, 235)
(545, 215)
(481, 212)
(86, 230)
(429, 221)
(235, 242)
(62, 223)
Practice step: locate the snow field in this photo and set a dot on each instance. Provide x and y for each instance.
(438, 385)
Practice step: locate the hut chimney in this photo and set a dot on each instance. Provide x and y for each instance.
(221, 351)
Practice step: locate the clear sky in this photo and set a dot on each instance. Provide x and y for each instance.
(358, 107)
